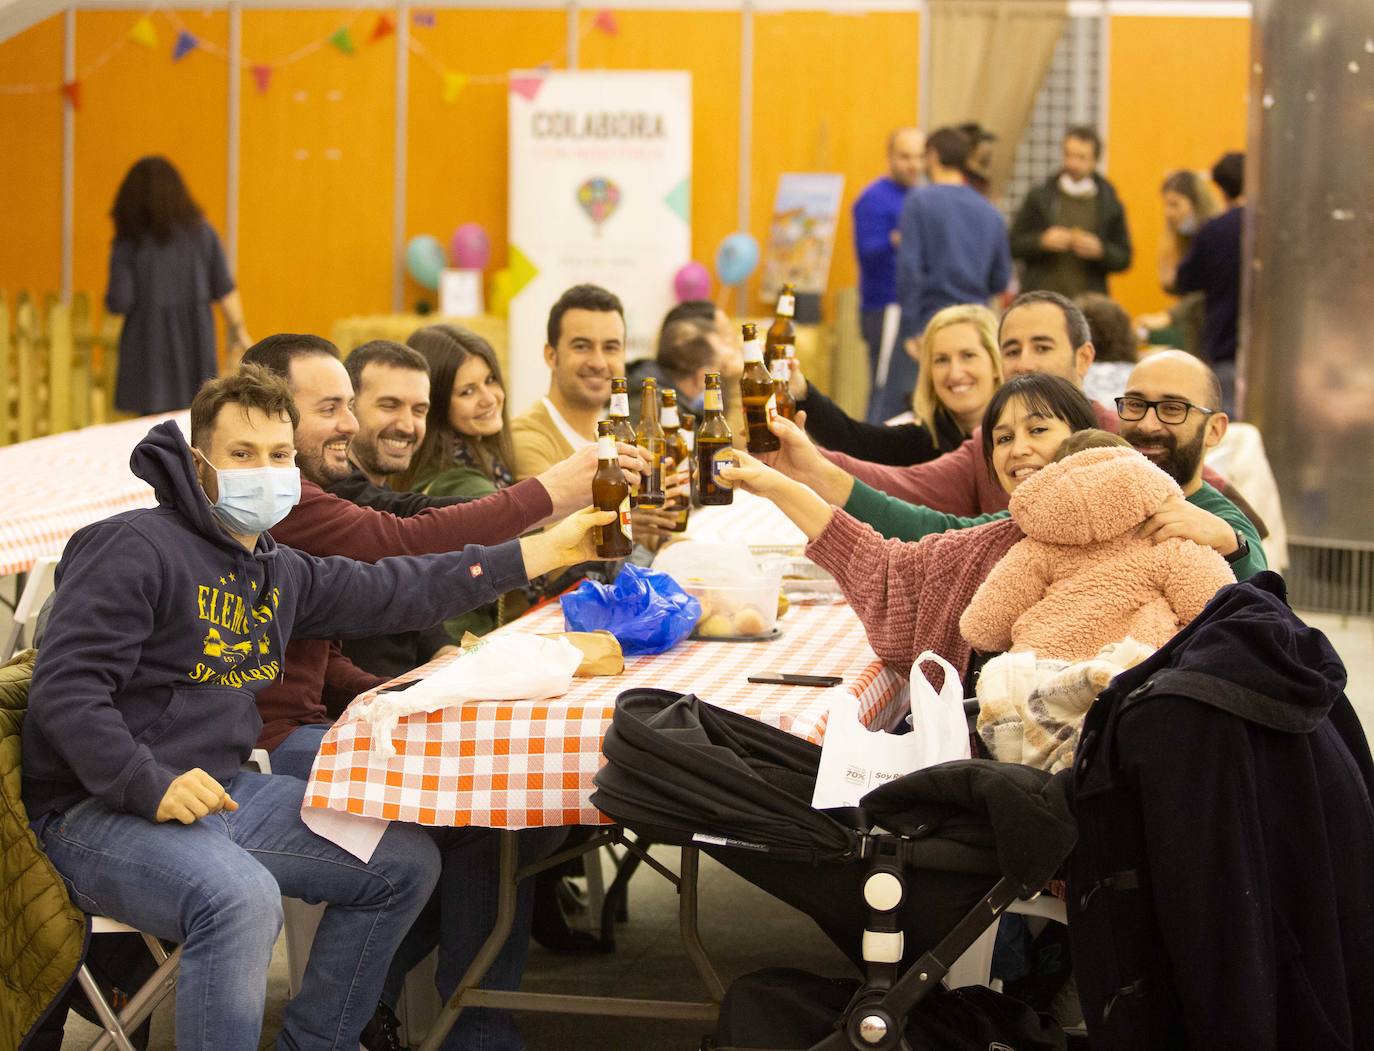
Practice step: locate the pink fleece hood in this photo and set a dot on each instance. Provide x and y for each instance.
(1091, 496)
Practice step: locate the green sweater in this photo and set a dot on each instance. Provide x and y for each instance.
(472, 483)
(895, 518)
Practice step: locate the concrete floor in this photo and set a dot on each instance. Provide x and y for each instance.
(743, 930)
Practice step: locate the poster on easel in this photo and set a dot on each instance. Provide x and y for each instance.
(801, 237)
(600, 192)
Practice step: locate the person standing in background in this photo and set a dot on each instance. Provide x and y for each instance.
(1212, 267)
(1189, 202)
(166, 268)
(1070, 231)
(876, 214)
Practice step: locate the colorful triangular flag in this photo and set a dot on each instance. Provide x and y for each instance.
(262, 77)
(605, 22)
(186, 43)
(423, 19)
(343, 40)
(384, 28)
(144, 32)
(454, 83)
(71, 91)
(522, 270)
(526, 87)
(679, 199)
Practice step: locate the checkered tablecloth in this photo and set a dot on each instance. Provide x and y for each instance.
(55, 485)
(521, 764)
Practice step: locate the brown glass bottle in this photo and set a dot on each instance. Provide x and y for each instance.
(756, 391)
(688, 429)
(621, 426)
(781, 371)
(650, 438)
(610, 492)
(714, 449)
(781, 341)
(677, 452)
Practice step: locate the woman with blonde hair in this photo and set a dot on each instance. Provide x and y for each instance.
(1189, 202)
(960, 370)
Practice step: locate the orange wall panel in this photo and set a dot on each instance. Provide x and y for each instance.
(456, 169)
(31, 168)
(707, 45)
(828, 88)
(1177, 98)
(316, 172)
(141, 102)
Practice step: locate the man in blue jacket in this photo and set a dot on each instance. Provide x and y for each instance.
(165, 624)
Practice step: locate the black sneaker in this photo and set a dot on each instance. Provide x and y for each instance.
(383, 1032)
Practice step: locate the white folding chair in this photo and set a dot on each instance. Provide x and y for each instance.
(38, 585)
(119, 1024)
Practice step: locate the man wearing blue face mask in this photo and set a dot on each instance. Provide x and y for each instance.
(165, 623)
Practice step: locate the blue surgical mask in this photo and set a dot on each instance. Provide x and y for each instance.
(253, 500)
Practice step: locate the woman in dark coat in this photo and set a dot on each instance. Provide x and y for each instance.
(166, 268)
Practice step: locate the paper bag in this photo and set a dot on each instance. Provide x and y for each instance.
(856, 760)
(601, 653)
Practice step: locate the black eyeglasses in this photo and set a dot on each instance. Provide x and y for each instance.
(1170, 410)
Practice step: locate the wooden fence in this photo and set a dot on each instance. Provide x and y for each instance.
(57, 366)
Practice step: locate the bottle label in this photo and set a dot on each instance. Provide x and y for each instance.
(779, 370)
(625, 517)
(771, 407)
(620, 405)
(787, 305)
(722, 459)
(668, 418)
(605, 448)
(690, 437)
(753, 350)
(713, 401)
(789, 350)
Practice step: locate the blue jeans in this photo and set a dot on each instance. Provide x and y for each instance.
(460, 914)
(893, 397)
(216, 887)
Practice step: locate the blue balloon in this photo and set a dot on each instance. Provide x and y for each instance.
(425, 260)
(736, 259)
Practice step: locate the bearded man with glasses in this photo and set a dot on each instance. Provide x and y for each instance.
(1171, 412)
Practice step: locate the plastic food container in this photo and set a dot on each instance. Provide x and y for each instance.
(737, 609)
(803, 582)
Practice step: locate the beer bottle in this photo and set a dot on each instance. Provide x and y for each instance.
(781, 371)
(610, 492)
(677, 452)
(782, 335)
(650, 437)
(756, 390)
(688, 429)
(714, 449)
(621, 426)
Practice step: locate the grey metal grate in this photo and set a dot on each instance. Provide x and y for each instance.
(1329, 579)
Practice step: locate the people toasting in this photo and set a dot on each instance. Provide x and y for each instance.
(758, 393)
(714, 448)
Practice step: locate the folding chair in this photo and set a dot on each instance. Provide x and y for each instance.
(119, 1024)
(38, 585)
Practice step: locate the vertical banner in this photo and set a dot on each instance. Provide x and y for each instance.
(600, 192)
(801, 236)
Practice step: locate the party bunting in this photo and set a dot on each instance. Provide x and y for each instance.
(423, 19)
(526, 87)
(605, 22)
(144, 32)
(454, 83)
(186, 43)
(384, 28)
(71, 91)
(342, 39)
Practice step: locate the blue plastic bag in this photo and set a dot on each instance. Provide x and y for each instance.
(646, 610)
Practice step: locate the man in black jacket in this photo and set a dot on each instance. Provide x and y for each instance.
(1070, 232)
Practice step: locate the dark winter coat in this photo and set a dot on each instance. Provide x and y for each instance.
(1222, 891)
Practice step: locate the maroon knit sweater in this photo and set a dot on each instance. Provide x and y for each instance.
(324, 524)
(910, 596)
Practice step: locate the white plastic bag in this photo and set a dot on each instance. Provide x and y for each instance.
(514, 667)
(855, 760)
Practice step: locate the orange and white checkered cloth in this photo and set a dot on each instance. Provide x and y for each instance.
(58, 484)
(530, 763)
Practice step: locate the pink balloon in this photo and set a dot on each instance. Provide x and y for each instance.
(692, 281)
(469, 248)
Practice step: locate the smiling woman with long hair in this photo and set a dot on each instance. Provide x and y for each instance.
(166, 269)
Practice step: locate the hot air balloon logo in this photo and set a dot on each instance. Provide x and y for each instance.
(598, 197)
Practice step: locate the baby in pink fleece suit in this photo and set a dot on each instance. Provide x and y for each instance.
(1080, 578)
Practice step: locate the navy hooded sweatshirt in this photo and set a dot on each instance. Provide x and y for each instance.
(163, 629)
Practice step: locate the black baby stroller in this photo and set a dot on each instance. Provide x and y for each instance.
(903, 885)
